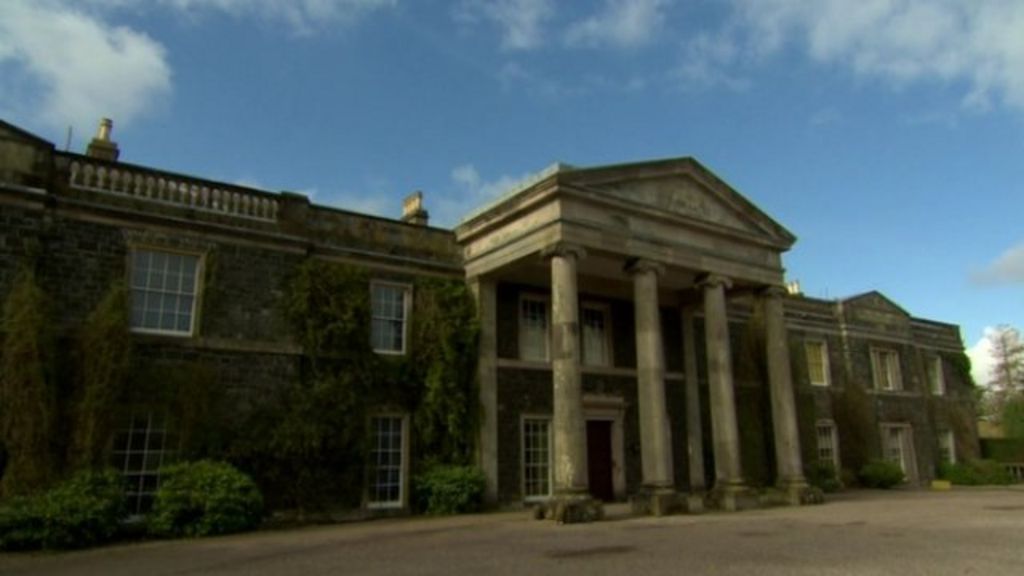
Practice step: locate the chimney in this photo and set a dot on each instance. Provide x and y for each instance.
(412, 209)
(101, 146)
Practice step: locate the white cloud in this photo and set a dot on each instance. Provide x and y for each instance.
(1008, 268)
(621, 23)
(85, 67)
(471, 192)
(521, 21)
(981, 358)
(67, 62)
(707, 62)
(475, 189)
(304, 16)
(979, 43)
(513, 75)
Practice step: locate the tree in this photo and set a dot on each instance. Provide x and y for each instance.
(1008, 353)
(1006, 383)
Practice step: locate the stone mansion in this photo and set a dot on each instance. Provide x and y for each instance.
(637, 336)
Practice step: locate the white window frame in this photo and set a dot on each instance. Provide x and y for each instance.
(545, 302)
(135, 291)
(525, 463)
(903, 453)
(406, 290)
(886, 361)
(938, 377)
(823, 353)
(606, 338)
(947, 447)
(828, 427)
(147, 444)
(403, 461)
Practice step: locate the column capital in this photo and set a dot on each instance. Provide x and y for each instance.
(706, 280)
(772, 291)
(564, 249)
(641, 265)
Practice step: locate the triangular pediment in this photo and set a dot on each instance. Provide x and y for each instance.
(683, 188)
(876, 301)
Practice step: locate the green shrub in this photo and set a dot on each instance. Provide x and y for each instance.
(823, 475)
(83, 511)
(450, 489)
(204, 498)
(1003, 449)
(881, 474)
(975, 473)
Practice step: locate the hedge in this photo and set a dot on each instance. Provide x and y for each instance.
(204, 498)
(83, 511)
(450, 489)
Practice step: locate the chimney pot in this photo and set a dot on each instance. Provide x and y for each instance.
(103, 133)
(101, 146)
(413, 211)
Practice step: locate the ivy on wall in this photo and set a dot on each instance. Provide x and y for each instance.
(444, 358)
(309, 438)
(104, 362)
(28, 394)
(306, 441)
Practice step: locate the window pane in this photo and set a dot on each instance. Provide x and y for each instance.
(595, 337)
(387, 328)
(163, 287)
(816, 364)
(533, 326)
(536, 458)
(386, 458)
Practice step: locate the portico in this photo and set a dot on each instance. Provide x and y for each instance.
(657, 235)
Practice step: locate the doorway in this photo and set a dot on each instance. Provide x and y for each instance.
(599, 459)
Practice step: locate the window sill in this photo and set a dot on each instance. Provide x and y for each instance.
(161, 334)
(896, 393)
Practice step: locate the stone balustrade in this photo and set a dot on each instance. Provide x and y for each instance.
(173, 190)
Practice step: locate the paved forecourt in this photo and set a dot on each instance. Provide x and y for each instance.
(975, 531)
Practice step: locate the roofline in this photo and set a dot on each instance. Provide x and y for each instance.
(258, 191)
(21, 131)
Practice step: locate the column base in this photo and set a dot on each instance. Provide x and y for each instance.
(570, 508)
(657, 501)
(694, 502)
(794, 493)
(732, 497)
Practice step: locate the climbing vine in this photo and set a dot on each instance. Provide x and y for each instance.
(445, 336)
(28, 395)
(309, 439)
(104, 361)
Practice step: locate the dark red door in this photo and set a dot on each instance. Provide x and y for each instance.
(599, 459)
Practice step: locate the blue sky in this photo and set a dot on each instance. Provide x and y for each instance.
(888, 135)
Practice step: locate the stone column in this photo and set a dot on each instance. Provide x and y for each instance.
(571, 501)
(780, 383)
(487, 375)
(725, 433)
(655, 436)
(694, 431)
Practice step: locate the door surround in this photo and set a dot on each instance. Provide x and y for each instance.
(610, 409)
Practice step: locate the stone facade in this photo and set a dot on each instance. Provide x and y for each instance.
(702, 381)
